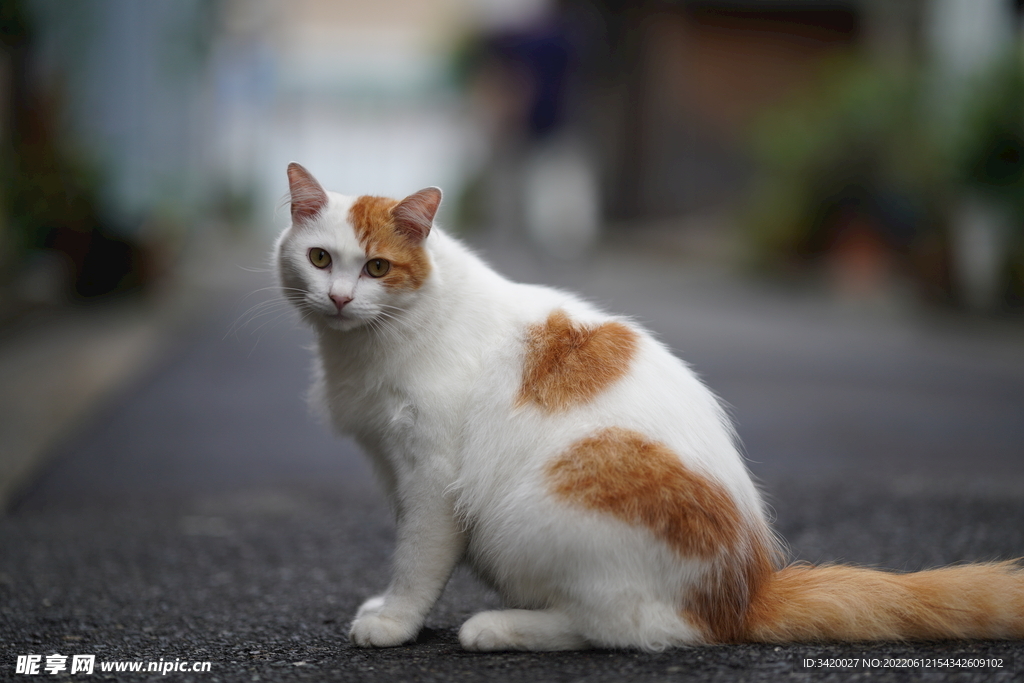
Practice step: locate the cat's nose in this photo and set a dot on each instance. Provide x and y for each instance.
(340, 300)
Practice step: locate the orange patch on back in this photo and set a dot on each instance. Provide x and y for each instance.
(622, 473)
(374, 224)
(568, 363)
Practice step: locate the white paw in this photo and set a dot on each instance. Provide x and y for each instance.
(482, 633)
(518, 629)
(376, 630)
(372, 606)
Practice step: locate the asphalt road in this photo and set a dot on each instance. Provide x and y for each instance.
(205, 516)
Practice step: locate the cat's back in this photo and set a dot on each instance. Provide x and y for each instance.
(564, 371)
(580, 408)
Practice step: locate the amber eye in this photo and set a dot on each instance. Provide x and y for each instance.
(377, 267)
(319, 258)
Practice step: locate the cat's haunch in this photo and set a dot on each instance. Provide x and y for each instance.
(567, 456)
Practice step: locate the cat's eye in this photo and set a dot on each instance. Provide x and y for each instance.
(319, 258)
(377, 267)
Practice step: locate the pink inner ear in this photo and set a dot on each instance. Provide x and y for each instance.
(414, 215)
(307, 197)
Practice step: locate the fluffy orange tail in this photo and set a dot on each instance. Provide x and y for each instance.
(807, 603)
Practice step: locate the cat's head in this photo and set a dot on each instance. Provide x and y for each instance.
(346, 262)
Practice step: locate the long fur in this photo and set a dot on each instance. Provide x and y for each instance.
(835, 602)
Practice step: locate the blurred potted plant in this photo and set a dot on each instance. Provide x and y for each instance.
(861, 173)
(849, 177)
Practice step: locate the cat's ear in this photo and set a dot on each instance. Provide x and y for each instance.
(414, 215)
(307, 197)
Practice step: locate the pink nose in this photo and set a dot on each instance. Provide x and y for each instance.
(340, 300)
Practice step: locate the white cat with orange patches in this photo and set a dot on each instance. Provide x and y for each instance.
(567, 456)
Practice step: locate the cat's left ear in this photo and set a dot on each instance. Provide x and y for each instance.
(414, 215)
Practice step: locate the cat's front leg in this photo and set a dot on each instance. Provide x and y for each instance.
(430, 544)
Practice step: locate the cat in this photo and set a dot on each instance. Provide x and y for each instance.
(567, 456)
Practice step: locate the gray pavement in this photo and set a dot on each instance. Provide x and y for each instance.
(202, 514)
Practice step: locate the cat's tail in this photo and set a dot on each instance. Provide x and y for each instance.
(835, 602)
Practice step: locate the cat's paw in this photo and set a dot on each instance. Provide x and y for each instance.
(377, 630)
(485, 633)
(372, 606)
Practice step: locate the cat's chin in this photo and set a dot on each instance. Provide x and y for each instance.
(340, 324)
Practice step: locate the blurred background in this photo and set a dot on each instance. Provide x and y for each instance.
(870, 146)
(819, 204)
(866, 151)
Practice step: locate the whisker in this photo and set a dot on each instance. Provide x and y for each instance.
(260, 337)
(263, 307)
(382, 330)
(255, 311)
(277, 289)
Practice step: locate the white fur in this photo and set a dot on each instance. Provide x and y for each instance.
(427, 380)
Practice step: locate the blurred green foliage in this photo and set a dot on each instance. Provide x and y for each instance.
(860, 131)
(897, 150)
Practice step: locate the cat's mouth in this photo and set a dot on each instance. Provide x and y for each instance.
(343, 316)
(344, 320)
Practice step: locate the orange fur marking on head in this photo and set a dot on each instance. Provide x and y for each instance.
(568, 364)
(376, 231)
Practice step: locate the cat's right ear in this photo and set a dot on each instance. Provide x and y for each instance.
(307, 197)
(414, 215)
